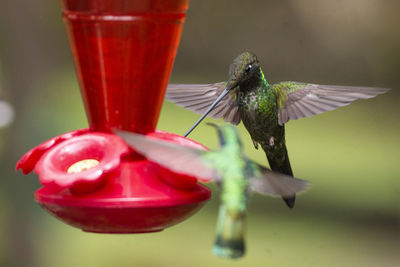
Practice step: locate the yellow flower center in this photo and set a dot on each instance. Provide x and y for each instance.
(82, 165)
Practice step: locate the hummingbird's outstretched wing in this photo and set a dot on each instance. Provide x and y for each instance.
(298, 100)
(272, 183)
(178, 158)
(199, 97)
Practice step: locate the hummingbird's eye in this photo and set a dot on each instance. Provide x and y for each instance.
(248, 68)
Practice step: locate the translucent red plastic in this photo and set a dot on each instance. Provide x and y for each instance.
(124, 51)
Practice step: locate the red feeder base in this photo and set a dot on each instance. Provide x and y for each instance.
(135, 202)
(124, 193)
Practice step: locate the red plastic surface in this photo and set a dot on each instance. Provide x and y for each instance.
(135, 200)
(124, 51)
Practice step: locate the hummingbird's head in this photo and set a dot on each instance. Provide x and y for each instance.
(244, 69)
(227, 135)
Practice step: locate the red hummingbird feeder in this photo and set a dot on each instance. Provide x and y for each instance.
(124, 52)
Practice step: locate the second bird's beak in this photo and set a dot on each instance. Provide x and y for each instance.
(230, 85)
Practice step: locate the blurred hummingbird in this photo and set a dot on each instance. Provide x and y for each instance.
(264, 108)
(235, 174)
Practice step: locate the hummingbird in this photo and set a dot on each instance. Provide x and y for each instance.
(235, 174)
(264, 108)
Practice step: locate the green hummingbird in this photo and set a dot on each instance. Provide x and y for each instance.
(235, 174)
(264, 108)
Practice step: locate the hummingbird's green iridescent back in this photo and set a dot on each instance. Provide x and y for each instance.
(231, 161)
(258, 110)
(234, 190)
(236, 168)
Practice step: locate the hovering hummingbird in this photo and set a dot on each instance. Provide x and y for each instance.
(235, 174)
(264, 108)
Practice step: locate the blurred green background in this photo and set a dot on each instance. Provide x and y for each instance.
(350, 217)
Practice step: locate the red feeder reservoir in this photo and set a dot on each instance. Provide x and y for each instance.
(124, 52)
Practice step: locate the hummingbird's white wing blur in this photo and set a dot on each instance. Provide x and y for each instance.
(267, 182)
(198, 97)
(178, 158)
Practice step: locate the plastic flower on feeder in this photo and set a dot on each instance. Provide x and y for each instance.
(81, 163)
(29, 160)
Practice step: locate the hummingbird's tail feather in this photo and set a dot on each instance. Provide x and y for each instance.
(279, 162)
(229, 242)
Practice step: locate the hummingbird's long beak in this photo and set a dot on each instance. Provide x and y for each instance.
(222, 95)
